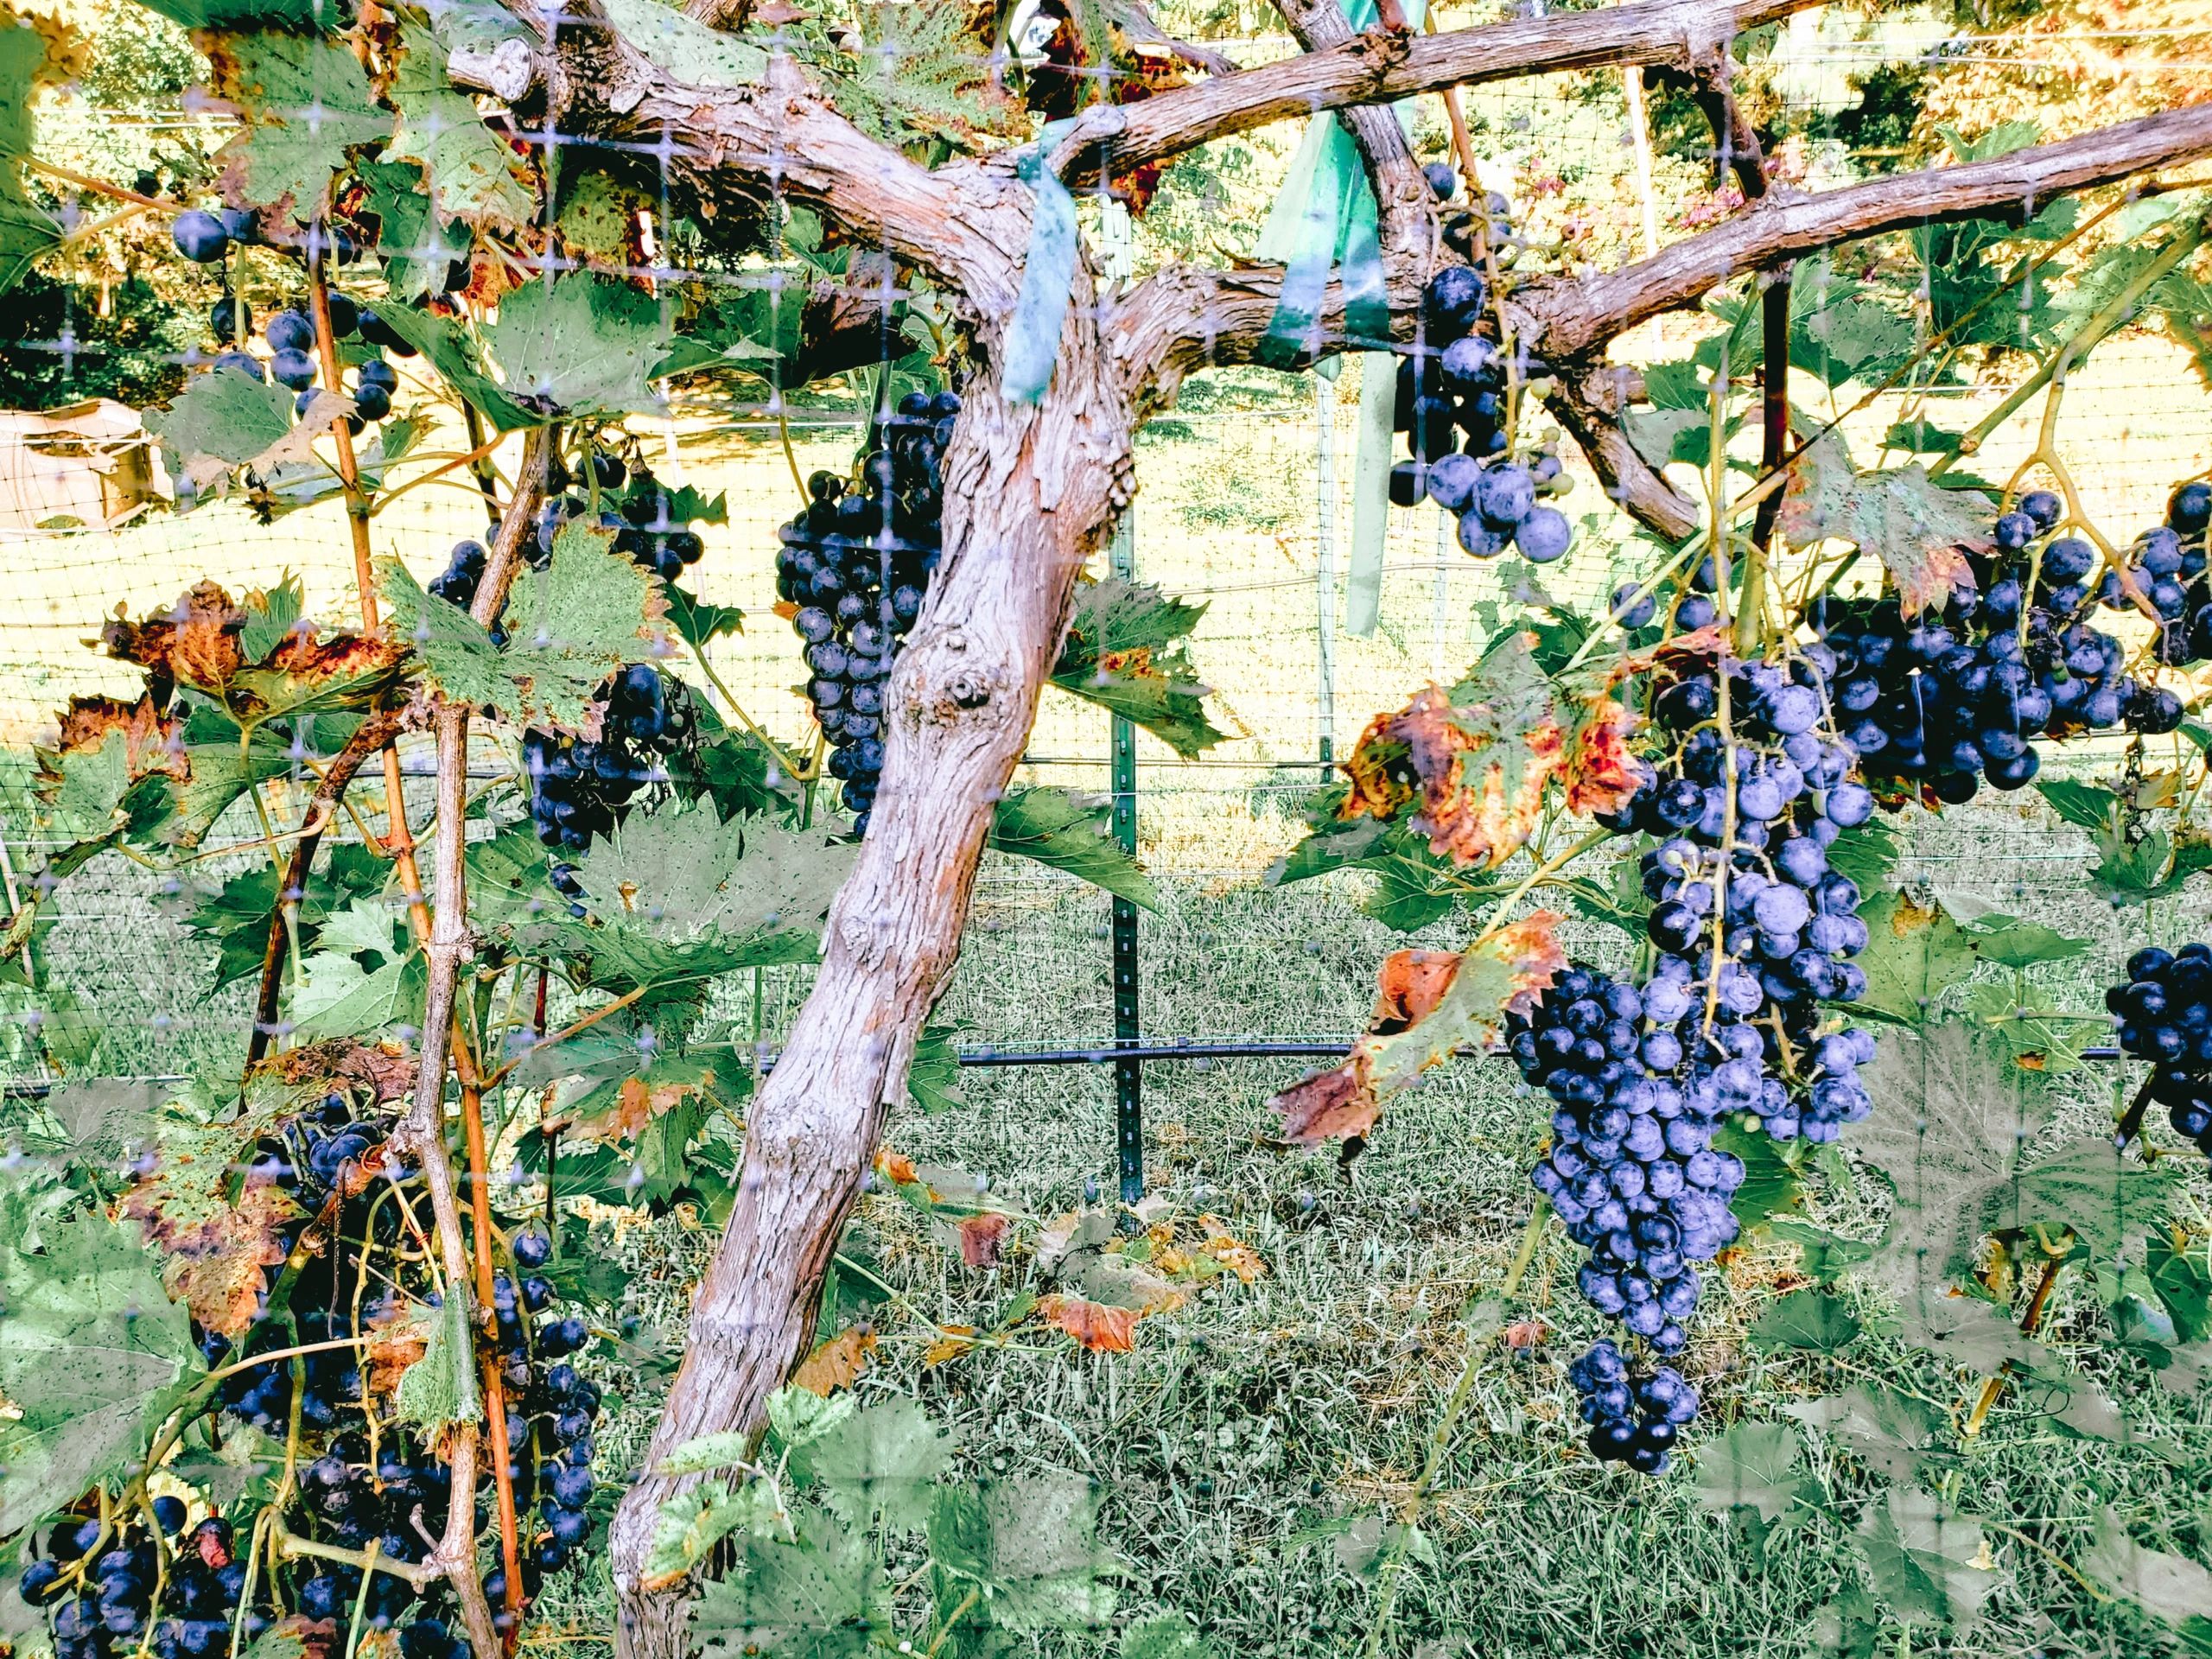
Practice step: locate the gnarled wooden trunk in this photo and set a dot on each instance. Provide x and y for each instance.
(1029, 493)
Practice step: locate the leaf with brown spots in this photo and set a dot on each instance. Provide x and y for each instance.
(193, 643)
(1425, 1012)
(152, 743)
(1600, 772)
(982, 1236)
(381, 1073)
(1476, 760)
(835, 1362)
(1920, 531)
(215, 1244)
(1096, 1326)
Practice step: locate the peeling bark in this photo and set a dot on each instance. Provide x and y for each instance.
(1029, 495)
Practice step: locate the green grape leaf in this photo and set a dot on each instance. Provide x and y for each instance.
(2182, 1280)
(1071, 834)
(1892, 1433)
(689, 51)
(1031, 1544)
(307, 101)
(2170, 1588)
(469, 171)
(455, 353)
(1807, 1319)
(878, 1466)
(583, 344)
(1771, 1183)
(1851, 338)
(2088, 1188)
(1169, 1636)
(933, 1075)
(2015, 943)
(691, 1523)
(417, 247)
(1825, 1256)
(439, 1386)
(697, 622)
(1124, 652)
(1752, 1466)
(27, 230)
(682, 874)
(343, 999)
(734, 772)
(707, 1452)
(2039, 1039)
(220, 774)
(242, 13)
(221, 420)
(1922, 436)
(1849, 1626)
(569, 626)
(1913, 953)
(90, 1351)
(1866, 854)
(1965, 1331)
(1950, 1117)
(82, 801)
(1920, 532)
(101, 1117)
(2092, 808)
(1925, 1560)
(820, 1595)
(237, 919)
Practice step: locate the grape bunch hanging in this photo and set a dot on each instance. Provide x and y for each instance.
(367, 1484)
(856, 564)
(1452, 402)
(1753, 934)
(2166, 569)
(1952, 697)
(582, 787)
(2164, 1014)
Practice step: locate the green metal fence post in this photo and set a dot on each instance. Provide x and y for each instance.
(1128, 1074)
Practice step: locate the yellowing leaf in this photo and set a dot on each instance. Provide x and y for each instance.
(1920, 531)
(1094, 1326)
(835, 1362)
(1431, 1004)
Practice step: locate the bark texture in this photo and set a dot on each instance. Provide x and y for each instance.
(1029, 494)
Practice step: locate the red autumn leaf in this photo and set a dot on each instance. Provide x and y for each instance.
(1329, 1104)
(1094, 1326)
(193, 643)
(1601, 771)
(982, 1236)
(1430, 1005)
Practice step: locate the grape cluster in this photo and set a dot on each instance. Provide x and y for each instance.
(1744, 832)
(1633, 1420)
(1954, 696)
(1454, 379)
(293, 361)
(580, 787)
(147, 1580)
(1631, 1172)
(98, 1583)
(2167, 567)
(2165, 1016)
(856, 563)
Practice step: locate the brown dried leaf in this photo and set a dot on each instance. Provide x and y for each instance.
(1230, 1251)
(380, 1071)
(150, 741)
(194, 642)
(1096, 1326)
(398, 1337)
(215, 1247)
(896, 1167)
(982, 1236)
(1431, 1005)
(835, 1362)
